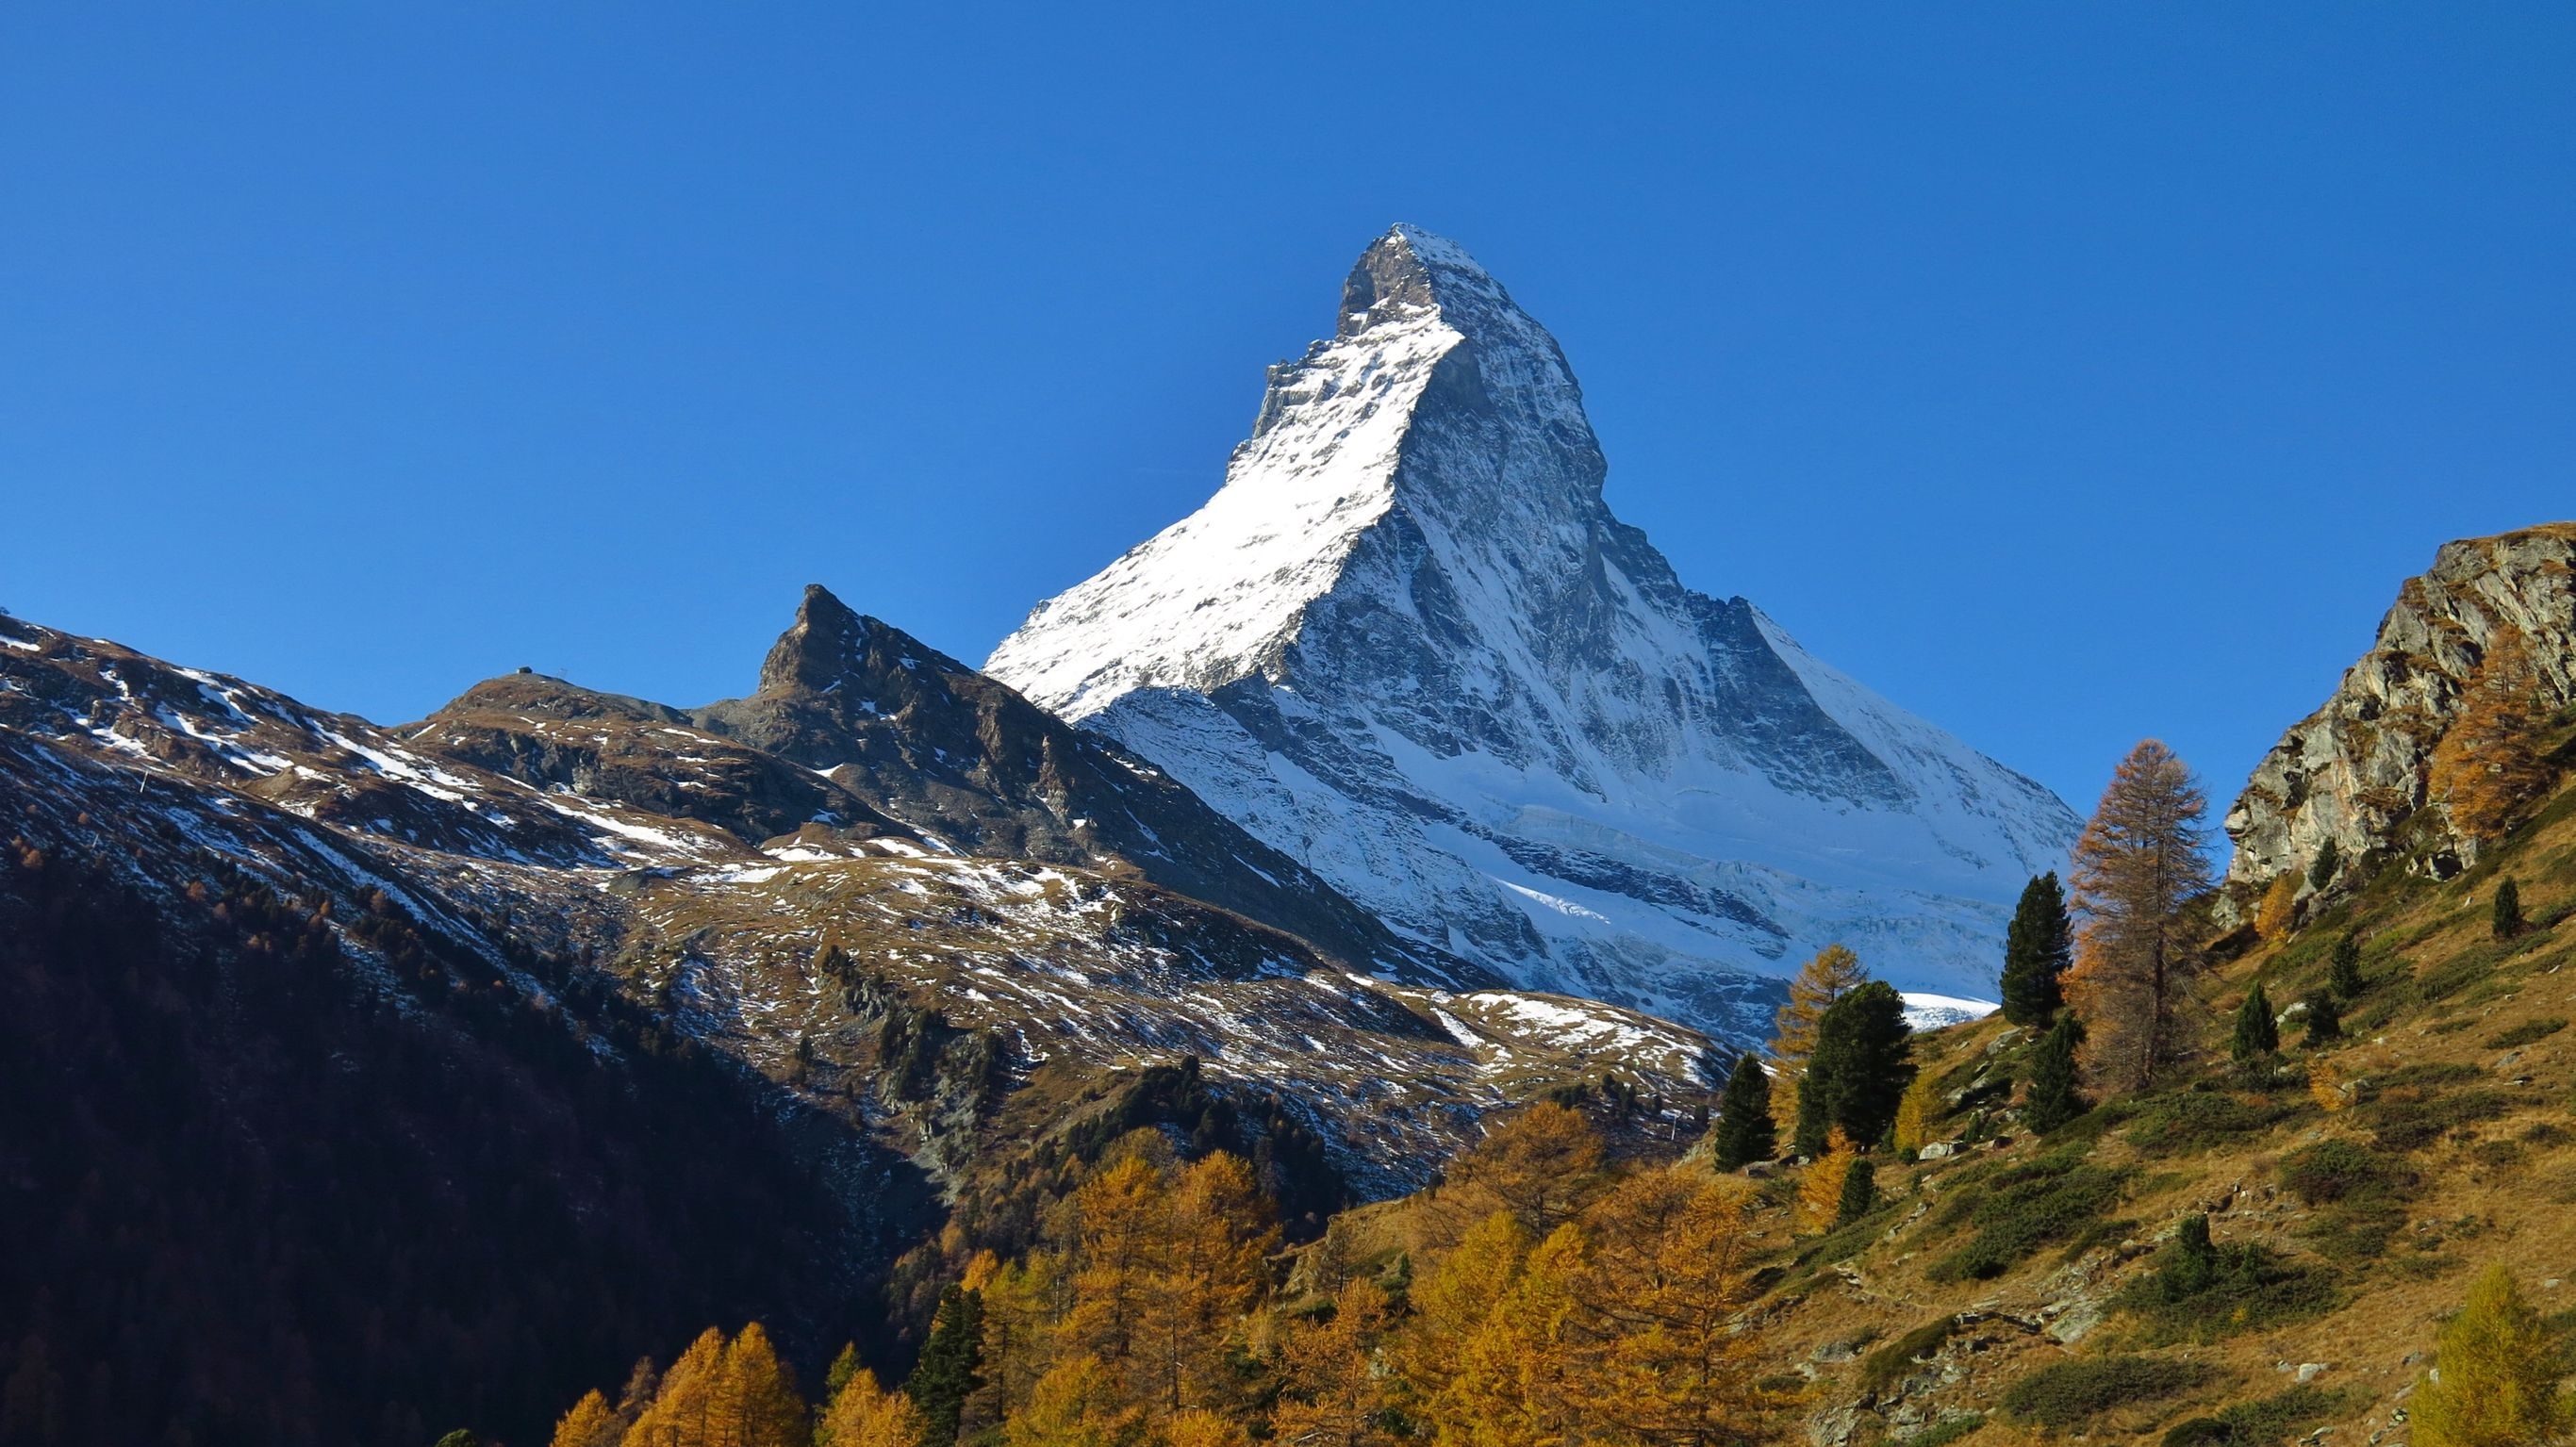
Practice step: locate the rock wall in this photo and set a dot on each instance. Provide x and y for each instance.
(2354, 771)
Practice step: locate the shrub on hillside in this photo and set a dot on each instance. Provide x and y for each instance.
(2337, 1170)
(2199, 1120)
(1884, 1367)
(2266, 1423)
(2047, 1200)
(2201, 1291)
(2527, 1032)
(2071, 1393)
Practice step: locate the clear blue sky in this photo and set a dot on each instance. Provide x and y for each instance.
(2067, 372)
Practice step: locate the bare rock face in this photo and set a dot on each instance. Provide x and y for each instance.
(2354, 771)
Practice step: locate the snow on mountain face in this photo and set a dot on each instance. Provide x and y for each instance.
(1408, 645)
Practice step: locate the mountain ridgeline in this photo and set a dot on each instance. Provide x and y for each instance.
(1408, 645)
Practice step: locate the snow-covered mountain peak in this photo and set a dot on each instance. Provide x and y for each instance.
(1408, 644)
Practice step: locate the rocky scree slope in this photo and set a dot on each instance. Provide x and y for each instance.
(2353, 773)
(1408, 645)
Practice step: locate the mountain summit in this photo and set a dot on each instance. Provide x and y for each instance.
(1408, 645)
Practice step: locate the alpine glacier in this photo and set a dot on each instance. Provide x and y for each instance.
(1408, 645)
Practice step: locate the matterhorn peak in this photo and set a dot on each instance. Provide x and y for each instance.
(1408, 645)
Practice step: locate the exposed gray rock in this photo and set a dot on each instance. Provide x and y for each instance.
(2354, 771)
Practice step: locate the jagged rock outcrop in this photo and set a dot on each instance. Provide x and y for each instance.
(1408, 645)
(2353, 773)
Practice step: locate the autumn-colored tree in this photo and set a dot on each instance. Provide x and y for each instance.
(1916, 1112)
(863, 1414)
(2494, 1381)
(1021, 1305)
(678, 1414)
(1832, 974)
(754, 1403)
(2036, 953)
(1208, 1273)
(1514, 1380)
(1120, 1232)
(590, 1423)
(1199, 1427)
(1453, 1301)
(1537, 1164)
(1332, 1395)
(2138, 864)
(1078, 1403)
(2279, 911)
(2488, 769)
(1660, 1355)
(1820, 1189)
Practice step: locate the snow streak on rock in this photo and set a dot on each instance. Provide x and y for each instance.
(1408, 645)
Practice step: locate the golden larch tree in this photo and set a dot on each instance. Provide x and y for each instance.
(864, 1414)
(1537, 1164)
(2488, 769)
(590, 1423)
(1820, 1188)
(754, 1403)
(1832, 974)
(2279, 909)
(1208, 1275)
(677, 1415)
(2495, 1374)
(1078, 1403)
(2138, 866)
(1513, 1380)
(1120, 1231)
(1331, 1393)
(1916, 1111)
(1660, 1356)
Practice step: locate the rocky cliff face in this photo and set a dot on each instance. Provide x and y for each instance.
(2353, 772)
(1408, 645)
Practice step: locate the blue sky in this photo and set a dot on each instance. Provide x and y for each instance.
(2068, 373)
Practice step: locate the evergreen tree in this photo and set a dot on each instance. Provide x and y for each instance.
(2053, 1097)
(1860, 1191)
(1860, 1067)
(2036, 953)
(2321, 872)
(1745, 1131)
(2139, 866)
(2192, 1266)
(950, 1365)
(844, 1367)
(2324, 1018)
(1832, 974)
(2257, 1037)
(2344, 975)
(2506, 922)
(2494, 1381)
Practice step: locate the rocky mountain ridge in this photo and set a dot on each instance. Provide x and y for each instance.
(2354, 773)
(1408, 645)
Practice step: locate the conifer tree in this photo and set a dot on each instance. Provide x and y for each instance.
(2343, 976)
(861, 1413)
(2494, 1381)
(2054, 1099)
(2321, 870)
(1515, 1377)
(2505, 921)
(590, 1423)
(1832, 974)
(2279, 910)
(1858, 1070)
(1860, 1191)
(1915, 1112)
(1332, 1394)
(2324, 1019)
(950, 1365)
(1452, 1303)
(1076, 1404)
(2139, 865)
(1537, 1164)
(2487, 769)
(844, 1366)
(1745, 1131)
(2257, 1036)
(1820, 1189)
(678, 1415)
(754, 1403)
(2036, 952)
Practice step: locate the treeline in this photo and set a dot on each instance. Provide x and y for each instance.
(1548, 1294)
